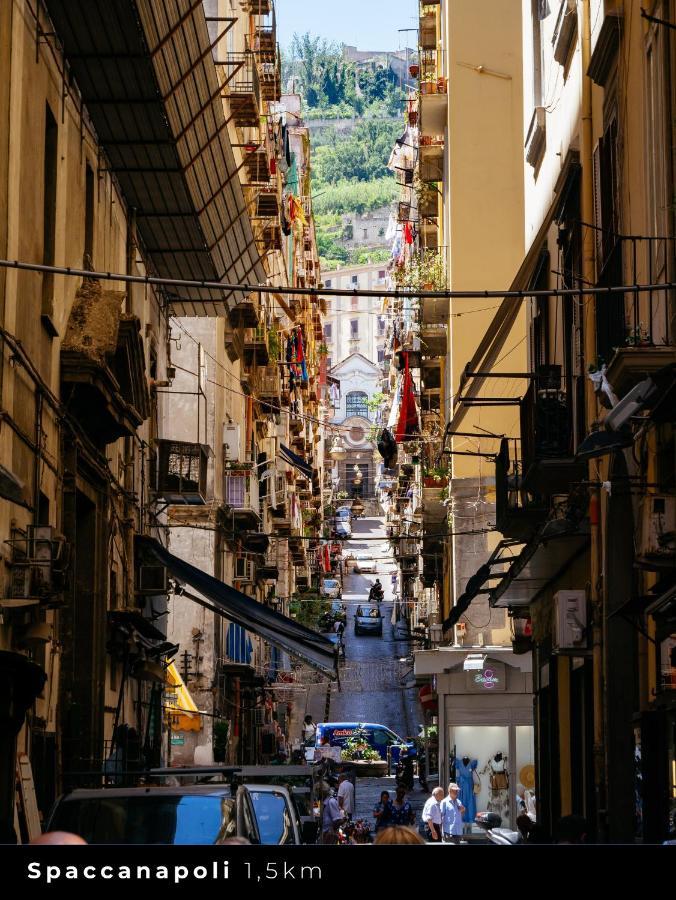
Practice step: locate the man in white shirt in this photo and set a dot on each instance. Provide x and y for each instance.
(431, 815)
(451, 815)
(346, 795)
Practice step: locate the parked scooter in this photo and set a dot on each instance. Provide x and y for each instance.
(403, 774)
(490, 822)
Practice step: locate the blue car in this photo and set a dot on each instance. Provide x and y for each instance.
(379, 737)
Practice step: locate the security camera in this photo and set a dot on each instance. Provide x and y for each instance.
(630, 404)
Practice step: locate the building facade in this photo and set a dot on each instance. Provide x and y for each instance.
(141, 484)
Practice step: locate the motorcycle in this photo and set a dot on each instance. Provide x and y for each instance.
(403, 774)
(376, 596)
(490, 822)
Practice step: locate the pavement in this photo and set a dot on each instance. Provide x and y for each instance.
(371, 679)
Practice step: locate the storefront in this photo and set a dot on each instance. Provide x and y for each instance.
(485, 725)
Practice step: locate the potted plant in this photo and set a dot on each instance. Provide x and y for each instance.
(436, 476)
(639, 336)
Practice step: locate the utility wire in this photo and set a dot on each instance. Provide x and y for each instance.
(397, 293)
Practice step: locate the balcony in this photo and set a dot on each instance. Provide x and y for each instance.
(240, 494)
(243, 90)
(428, 31)
(255, 348)
(517, 512)
(245, 314)
(257, 166)
(434, 111)
(269, 389)
(182, 472)
(268, 236)
(433, 338)
(431, 162)
(256, 7)
(270, 77)
(548, 457)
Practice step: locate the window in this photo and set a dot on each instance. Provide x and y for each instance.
(381, 355)
(381, 275)
(49, 215)
(354, 302)
(88, 260)
(539, 11)
(329, 362)
(354, 328)
(366, 233)
(327, 331)
(355, 279)
(356, 404)
(381, 325)
(327, 283)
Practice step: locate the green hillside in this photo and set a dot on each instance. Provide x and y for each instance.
(349, 158)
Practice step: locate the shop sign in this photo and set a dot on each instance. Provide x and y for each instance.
(490, 679)
(177, 740)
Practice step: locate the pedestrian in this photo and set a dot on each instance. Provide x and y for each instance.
(451, 815)
(382, 812)
(339, 628)
(346, 795)
(431, 815)
(331, 817)
(398, 834)
(309, 731)
(402, 811)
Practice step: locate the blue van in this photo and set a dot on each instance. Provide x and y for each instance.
(335, 734)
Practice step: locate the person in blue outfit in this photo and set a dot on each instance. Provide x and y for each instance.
(464, 775)
(401, 811)
(452, 815)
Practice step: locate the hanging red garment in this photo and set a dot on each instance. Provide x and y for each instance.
(326, 558)
(408, 233)
(408, 425)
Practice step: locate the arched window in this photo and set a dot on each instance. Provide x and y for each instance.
(356, 404)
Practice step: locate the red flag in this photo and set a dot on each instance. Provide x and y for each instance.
(407, 426)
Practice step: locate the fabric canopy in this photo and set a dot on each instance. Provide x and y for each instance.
(278, 630)
(184, 713)
(296, 461)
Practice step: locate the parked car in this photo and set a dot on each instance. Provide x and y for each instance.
(331, 589)
(368, 620)
(195, 814)
(364, 562)
(380, 737)
(343, 527)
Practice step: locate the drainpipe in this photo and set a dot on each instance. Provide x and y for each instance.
(589, 325)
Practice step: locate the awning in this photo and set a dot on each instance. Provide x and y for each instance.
(296, 461)
(221, 598)
(184, 713)
(540, 563)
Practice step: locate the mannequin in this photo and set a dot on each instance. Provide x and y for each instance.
(498, 774)
(464, 775)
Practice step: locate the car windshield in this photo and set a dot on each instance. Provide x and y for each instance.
(148, 819)
(329, 583)
(374, 613)
(273, 817)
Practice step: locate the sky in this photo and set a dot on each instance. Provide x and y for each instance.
(366, 24)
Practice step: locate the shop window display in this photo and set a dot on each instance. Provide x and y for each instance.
(489, 780)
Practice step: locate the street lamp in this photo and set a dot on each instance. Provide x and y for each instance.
(337, 451)
(358, 477)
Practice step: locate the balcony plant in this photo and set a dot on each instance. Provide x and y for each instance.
(414, 70)
(436, 476)
(639, 336)
(274, 346)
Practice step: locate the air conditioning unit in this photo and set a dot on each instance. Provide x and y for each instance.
(231, 442)
(244, 569)
(659, 525)
(570, 620)
(152, 580)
